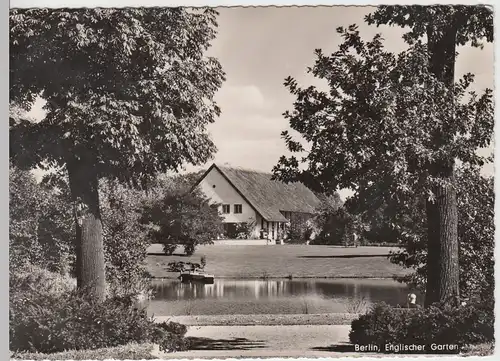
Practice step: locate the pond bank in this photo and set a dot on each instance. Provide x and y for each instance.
(262, 320)
(175, 275)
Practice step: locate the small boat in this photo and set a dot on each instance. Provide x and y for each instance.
(194, 276)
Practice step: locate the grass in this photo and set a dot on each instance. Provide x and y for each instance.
(264, 320)
(132, 351)
(358, 305)
(305, 306)
(280, 261)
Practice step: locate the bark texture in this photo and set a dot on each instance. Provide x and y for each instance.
(90, 266)
(442, 213)
(442, 257)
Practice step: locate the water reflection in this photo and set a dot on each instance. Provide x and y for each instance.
(271, 296)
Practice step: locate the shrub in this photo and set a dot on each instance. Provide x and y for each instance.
(170, 336)
(29, 278)
(300, 229)
(53, 316)
(180, 266)
(132, 351)
(471, 324)
(169, 249)
(240, 230)
(338, 226)
(189, 249)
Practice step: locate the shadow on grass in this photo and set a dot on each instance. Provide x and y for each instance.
(349, 256)
(167, 255)
(346, 347)
(238, 343)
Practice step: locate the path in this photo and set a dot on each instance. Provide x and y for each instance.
(265, 341)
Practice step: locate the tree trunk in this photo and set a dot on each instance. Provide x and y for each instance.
(442, 256)
(90, 267)
(442, 213)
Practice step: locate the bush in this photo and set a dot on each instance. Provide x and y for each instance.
(169, 249)
(340, 227)
(300, 230)
(462, 326)
(180, 266)
(29, 277)
(240, 230)
(52, 319)
(170, 336)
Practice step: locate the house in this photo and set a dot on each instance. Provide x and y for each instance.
(247, 196)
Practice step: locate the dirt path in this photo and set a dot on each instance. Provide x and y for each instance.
(265, 341)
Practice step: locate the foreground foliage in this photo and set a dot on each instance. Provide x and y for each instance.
(51, 319)
(461, 326)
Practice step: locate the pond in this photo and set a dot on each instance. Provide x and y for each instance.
(299, 296)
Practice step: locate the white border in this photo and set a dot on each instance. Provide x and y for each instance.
(137, 3)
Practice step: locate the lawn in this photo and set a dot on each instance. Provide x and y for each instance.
(278, 261)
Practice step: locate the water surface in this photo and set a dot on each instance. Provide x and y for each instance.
(227, 296)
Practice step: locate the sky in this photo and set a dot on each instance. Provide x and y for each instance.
(259, 47)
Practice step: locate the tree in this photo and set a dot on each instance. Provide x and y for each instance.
(128, 93)
(180, 215)
(476, 230)
(25, 206)
(300, 228)
(41, 229)
(375, 133)
(337, 226)
(444, 27)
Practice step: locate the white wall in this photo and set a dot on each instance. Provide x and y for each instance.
(225, 193)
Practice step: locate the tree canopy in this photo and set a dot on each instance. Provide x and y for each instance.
(131, 86)
(372, 132)
(473, 24)
(394, 126)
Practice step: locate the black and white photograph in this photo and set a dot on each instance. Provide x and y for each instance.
(218, 182)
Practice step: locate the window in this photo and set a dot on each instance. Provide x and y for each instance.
(237, 208)
(226, 209)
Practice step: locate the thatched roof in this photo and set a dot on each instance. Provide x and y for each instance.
(267, 196)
